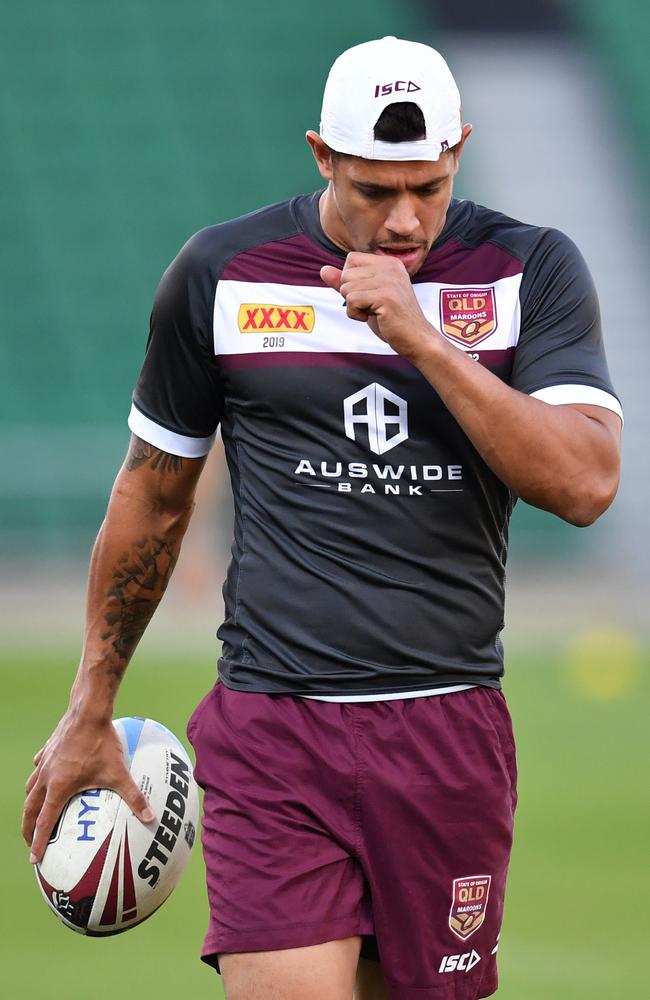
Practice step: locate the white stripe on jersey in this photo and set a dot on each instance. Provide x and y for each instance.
(394, 696)
(169, 441)
(333, 330)
(557, 395)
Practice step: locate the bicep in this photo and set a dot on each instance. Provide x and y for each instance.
(607, 425)
(161, 479)
(605, 417)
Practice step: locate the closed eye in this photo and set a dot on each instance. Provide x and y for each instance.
(376, 192)
(372, 192)
(428, 190)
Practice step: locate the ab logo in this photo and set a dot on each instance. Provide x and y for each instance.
(383, 414)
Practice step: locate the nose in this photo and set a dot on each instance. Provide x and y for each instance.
(402, 219)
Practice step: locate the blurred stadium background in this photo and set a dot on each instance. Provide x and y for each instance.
(125, 128)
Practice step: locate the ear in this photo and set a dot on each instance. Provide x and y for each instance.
(322, 154)
(458, 148)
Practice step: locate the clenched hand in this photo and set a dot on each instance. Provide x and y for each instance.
(378, 291)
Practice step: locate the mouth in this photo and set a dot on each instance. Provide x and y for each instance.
(407, 254)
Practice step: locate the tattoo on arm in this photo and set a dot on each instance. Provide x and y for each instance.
(141, 453)
(139, 581)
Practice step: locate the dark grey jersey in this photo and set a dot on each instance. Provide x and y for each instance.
(370, 537)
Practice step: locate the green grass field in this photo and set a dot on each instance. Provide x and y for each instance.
(576, 923)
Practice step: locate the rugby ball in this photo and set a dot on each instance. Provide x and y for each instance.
(103, 870)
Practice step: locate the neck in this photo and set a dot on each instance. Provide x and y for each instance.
(331, 221)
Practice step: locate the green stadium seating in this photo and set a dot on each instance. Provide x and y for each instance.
(126, 127)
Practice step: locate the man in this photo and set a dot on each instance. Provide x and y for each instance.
(391, 369)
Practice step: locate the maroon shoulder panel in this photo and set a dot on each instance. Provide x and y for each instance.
(454, 263)
(298, 260)
(295, 261)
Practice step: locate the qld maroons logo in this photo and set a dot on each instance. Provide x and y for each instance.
(469, 904)
(468, 315)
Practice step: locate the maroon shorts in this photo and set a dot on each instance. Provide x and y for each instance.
(392, 820)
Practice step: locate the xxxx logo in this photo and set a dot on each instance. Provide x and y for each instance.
(264, 317)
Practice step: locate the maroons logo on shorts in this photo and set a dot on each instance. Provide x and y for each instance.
(468, 315)
(469, 904)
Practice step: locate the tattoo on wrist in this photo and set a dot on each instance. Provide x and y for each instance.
(142, 453)
(139, 581)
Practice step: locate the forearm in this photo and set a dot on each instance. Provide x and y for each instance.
(131, 565)
(132, 562)
(554, 457)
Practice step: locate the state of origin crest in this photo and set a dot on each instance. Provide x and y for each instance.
(468, 315)
(469, 904)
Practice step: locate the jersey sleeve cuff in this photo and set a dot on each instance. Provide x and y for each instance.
(166, 440)
(557, 395)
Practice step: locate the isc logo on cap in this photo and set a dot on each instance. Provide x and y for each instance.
(382, 89)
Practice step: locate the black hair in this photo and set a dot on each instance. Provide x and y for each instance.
(400, 122)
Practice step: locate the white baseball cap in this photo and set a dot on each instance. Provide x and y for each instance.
(367, 78)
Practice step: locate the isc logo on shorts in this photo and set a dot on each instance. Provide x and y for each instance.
(459, 963)
(266, 317)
